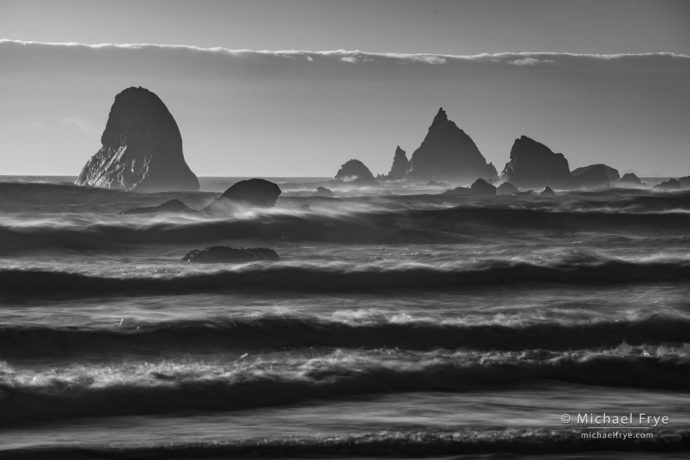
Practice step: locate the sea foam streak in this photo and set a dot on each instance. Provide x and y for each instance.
(287, 332)
(399, 444)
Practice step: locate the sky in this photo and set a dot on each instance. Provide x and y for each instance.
(279, 88)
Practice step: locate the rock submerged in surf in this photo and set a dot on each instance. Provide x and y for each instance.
(171, 207)
(506, 188)
(671, 184)
(548, 191)
(481, 187)
(594, 176)
(141, 148)
(355, 172)
(255, 192)
(224, 254)
(323, 192)
(630, 179)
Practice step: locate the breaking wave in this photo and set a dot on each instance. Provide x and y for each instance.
(29, 283)
(29, 397)
(391, 226)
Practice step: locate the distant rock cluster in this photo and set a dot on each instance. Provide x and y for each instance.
(448, 154)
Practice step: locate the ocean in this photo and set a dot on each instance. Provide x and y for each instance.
(399, 322)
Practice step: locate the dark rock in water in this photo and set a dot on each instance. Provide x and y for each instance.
(506, 188)
(684, 182)
(598, 175)
(401, 165)
(459, 191)
(533, 164)
(172, 206)
(525, 194)
(611, 173)
(256, 192)
(482, 187)
(630, 179)
(220, 254)
(141, 148)
(447, 153)
(548, 192)
(671, 184)
(355, 172)
(323, 191)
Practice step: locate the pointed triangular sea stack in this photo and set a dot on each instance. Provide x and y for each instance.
(447, 153)
(401, 165)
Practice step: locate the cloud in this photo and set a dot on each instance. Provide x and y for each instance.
(356, 56)
(350, 59)
(531, 61)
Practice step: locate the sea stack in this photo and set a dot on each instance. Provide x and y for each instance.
(401, 165)
(534, 165)
(355, 172)
(506, 188)
(447, 153)
(630, 179)
(141, 148)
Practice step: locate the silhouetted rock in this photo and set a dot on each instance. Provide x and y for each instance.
(630, 179)
(482, 187)
(506, 188)
(401, 165)
(354, 171)
(671, 184)
(256, 192)
(684, 182)
(172, 206)
(447, 153)
(141, 148)
(459, 191)
(611, 173)
(591, 176)
(548, 192)
(224, 254)
(533, 164)
(323, 191)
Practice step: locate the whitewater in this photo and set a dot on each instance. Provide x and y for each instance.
(399, 322)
